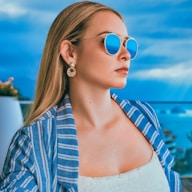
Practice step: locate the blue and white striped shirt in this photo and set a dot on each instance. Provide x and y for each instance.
(44, 155)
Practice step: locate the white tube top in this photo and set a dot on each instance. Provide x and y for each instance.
(150, 177)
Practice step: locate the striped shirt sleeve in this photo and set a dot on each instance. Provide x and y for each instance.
(19, 169)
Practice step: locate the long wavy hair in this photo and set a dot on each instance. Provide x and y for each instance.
(53, 83)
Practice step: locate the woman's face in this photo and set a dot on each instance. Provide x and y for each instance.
(94, 66)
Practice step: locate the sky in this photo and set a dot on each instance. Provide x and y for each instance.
(162, 70)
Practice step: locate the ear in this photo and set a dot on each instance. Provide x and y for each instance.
(67, 51)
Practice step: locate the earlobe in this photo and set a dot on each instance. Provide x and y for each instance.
(67, 51)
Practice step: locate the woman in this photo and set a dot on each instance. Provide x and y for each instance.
(79, 136)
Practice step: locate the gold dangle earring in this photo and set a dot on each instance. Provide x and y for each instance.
(71, 71)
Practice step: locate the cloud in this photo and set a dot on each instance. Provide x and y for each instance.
(34, 11)
(11, 9)
(44, 17)
(177, 74)
(172, 48)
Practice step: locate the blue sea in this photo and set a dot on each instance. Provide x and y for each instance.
(176, 121)
(176, 117)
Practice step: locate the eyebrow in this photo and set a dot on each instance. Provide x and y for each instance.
(105, 32)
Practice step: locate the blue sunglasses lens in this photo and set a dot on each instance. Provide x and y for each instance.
(112, 44)
(131, 46)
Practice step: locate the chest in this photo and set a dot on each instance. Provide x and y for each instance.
(119, 148)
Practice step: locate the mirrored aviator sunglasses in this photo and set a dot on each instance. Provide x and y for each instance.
(112, 43)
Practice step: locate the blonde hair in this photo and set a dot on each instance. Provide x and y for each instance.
(52, 82)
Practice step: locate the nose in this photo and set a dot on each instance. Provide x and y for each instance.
(124, 54)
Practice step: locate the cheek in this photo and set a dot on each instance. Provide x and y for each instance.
(93, 62)
(90, 65)
(92, 69)
(91, 50)
(90, 57)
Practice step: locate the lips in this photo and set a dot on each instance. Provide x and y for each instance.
(122, 70)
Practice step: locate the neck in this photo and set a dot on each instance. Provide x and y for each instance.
(92, 107)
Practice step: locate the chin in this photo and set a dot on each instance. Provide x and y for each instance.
(120, 85)
(119, 82)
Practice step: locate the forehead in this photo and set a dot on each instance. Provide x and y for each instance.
(105, 21)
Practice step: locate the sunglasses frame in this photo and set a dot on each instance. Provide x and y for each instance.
(107, 34)
(120, 43)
